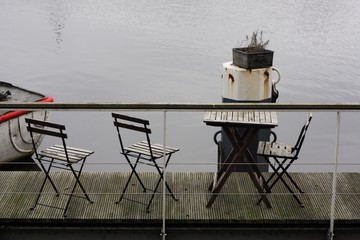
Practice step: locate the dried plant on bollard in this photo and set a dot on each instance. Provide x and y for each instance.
(256, 42)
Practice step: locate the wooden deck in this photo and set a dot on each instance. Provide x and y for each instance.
(235, 207)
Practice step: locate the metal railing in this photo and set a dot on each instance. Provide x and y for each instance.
(337, 108)
(292, 107)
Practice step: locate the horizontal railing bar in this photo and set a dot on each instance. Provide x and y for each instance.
(90, 106)
(199, 163)
(183, 193)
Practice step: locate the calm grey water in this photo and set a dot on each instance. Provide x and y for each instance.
(172, 51)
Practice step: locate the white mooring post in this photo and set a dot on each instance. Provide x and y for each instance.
(248, 85)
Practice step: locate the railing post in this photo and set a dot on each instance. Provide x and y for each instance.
(333, 194)
(163, 232)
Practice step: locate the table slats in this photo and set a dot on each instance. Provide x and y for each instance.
(241, 117)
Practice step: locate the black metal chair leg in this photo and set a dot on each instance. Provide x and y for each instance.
(153, 195)
(125, 188)
(69, 199)
(133, 168)
(161, 173)
(77, 181)
(133, 171)
(289, 189)
(279, 177)
(39, 194)
(154, 192)
(47, 177)
(275, 173)
(284, 169)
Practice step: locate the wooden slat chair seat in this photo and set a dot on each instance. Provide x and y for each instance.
(142, 152)
(58, 156)
(284, 155)
(57, 152)
(275, 149)
(157, 150)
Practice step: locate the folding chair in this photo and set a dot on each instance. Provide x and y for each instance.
(143, 152)
(57, 156)
(288, 154)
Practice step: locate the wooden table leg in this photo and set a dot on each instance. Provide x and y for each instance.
(252, 167)
(219, 185)
(223, 168)
(234, 157)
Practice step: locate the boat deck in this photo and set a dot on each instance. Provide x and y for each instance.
(18, 94)
(236, 206)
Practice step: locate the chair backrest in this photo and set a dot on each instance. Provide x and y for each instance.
(46, 128)
(133, 124)
(302, 134)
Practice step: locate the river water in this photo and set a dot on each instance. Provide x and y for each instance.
(172, 51)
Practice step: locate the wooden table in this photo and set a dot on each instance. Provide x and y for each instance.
(252, 122)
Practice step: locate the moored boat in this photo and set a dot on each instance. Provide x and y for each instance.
(15, 141)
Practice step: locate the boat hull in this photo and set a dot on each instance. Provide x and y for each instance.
(15, 141)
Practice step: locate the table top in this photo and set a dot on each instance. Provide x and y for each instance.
(263, 119)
